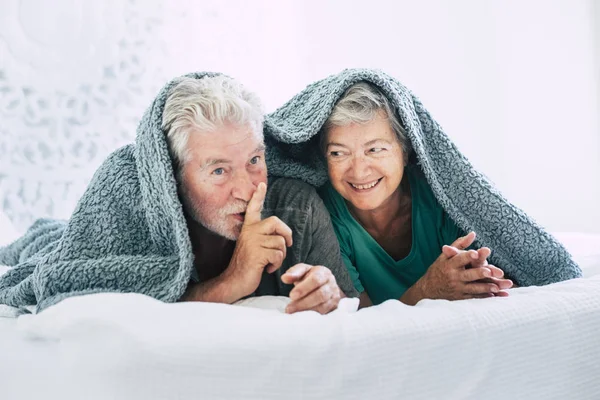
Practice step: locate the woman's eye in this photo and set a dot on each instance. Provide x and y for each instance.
(254, 160)
(218, 171)
(335, 153)
(376, 150)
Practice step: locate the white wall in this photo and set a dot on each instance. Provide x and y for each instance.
(515, 83)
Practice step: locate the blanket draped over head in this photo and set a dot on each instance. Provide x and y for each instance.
(127, 234)
(524, 250)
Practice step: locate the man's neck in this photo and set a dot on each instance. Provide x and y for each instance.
(212, 252)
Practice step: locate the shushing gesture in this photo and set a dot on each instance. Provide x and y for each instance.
(261, 244)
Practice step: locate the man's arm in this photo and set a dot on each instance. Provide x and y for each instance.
(323, 247)
(322, 280)
(216, 290)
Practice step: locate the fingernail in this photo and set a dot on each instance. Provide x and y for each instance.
(289, 310)
(494, 289)
(474, 255)
(487, 273)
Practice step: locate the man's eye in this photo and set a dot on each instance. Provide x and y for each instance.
(376, 150)
(335, 153)
(255, 160)
(218, 171)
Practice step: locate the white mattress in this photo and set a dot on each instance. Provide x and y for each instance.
(539, 343)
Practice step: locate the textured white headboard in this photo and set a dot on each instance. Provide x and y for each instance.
(8, 233)
(70, 93)
(76, 76)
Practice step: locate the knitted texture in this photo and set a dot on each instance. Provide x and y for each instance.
(523, 249)
(127, 233)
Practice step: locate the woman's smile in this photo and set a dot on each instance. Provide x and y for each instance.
(365, 187)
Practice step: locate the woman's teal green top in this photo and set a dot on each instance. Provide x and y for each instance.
(371, 268)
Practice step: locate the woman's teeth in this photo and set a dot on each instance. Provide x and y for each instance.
(364, 187)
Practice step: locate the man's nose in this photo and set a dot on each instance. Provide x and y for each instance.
(243, 187)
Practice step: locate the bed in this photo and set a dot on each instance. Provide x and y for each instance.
(540, 342)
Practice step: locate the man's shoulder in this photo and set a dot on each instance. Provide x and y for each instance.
(285, 193)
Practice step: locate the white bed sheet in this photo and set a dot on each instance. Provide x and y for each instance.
(539, 343)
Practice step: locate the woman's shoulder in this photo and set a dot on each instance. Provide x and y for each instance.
(428, 205)
(416, 174)
(420, 188)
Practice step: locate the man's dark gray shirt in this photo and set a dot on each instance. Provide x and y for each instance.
(299, 206)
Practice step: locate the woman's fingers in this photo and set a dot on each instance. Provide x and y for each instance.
(475, 274)
(465, 241)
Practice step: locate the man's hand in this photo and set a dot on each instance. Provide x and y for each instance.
(315, 288)
(261, 244)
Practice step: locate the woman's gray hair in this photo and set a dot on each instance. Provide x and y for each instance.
(360, 104)
(205, 105)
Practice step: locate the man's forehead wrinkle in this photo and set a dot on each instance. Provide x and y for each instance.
(248, 136)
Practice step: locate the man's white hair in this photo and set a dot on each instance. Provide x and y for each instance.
(205, 105)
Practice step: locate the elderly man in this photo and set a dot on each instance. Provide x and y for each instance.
(186, 214)
(214, 131)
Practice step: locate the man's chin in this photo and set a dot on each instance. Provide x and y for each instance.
(235, 234)
(231, 233)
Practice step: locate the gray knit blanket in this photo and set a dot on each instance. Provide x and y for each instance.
(523, 249)
(127, 234)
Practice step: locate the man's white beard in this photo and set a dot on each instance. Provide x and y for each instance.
(217, 221)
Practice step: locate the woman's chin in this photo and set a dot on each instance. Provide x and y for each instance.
(364, 204)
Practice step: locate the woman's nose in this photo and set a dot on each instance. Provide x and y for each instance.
(360, 167)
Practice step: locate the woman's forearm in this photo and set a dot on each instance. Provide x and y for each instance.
(414, 294)
(364, 300)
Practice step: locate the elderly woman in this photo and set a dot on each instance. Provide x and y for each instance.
(393, 233)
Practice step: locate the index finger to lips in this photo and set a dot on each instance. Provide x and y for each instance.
(255, 205)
